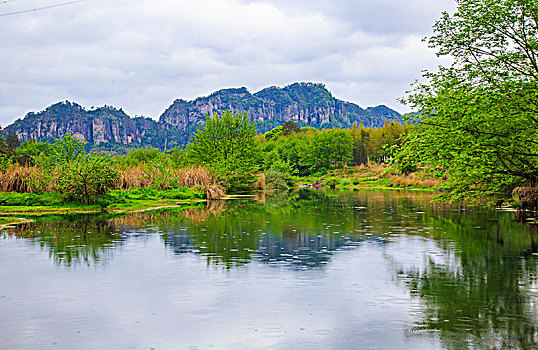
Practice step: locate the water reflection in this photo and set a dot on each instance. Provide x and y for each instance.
(483, 294)
(300, 231)
(471, 272)
(72, 240)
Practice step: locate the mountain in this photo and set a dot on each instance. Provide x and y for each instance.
(308, 104)
(106, 128)
(110, 128)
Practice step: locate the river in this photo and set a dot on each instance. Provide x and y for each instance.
(307, 270)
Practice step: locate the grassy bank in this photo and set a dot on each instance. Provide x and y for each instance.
(371, 175)
(143, 198)
(6, 221)
(115, 201)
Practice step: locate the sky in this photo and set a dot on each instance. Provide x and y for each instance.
(141, 55)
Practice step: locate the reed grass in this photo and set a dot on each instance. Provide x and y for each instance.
(14, 178)
(147, 175)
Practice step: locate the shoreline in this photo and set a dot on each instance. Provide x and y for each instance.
(8, 214)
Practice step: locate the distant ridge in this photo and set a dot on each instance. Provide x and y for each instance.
(110, 128)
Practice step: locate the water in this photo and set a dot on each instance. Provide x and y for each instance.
(358, 270)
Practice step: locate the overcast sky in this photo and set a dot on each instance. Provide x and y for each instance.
(142, 54)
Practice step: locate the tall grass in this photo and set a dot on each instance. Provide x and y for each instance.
(164, 177)
(14, 178)
(26, 179)
(133, 177)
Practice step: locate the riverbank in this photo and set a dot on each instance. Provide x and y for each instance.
(8, 213)
(379, 176)
(372, 176)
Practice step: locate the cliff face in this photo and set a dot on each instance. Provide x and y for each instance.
(305, 103)
(110, 128)
(99, 127)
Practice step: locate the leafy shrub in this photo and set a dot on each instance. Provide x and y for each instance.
(277, 179)
(406, 165)
(86, 177)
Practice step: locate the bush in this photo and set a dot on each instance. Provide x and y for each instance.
(406, 165)
(277, 179)
(86, 177)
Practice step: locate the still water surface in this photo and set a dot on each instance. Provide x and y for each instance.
(311, 270)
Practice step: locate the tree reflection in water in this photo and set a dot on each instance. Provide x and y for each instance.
(482, 294)
(72, 240)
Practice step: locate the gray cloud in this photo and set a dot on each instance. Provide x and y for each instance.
(142, 54)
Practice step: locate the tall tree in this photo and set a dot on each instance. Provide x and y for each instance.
(478, 117)
(227, 144)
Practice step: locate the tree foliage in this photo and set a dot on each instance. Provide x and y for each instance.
(311, 150)
(478, 117)
(68, 170)
(87, 177)
(227, 144)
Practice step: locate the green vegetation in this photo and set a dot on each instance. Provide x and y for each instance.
(478, 117)
(227, 145)
(309, 151)
(225, 155)
(371, 175)
(64, 178)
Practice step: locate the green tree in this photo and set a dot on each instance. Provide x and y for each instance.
(228, 145)
(273, 134)
(29, 152)
(478, 117)
(86, 177)
(289, 127)
(291, 149)
(67, 169)
(327, 149)
(360, 138)
(67, 149)
(8, 146)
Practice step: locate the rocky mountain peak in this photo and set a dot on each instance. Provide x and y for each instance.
(108, 127)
